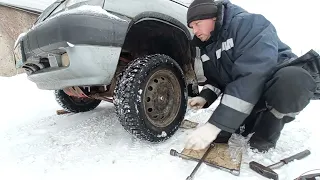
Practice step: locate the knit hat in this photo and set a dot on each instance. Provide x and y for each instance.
(201, 9)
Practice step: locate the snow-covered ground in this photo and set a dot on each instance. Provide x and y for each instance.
(35, 143)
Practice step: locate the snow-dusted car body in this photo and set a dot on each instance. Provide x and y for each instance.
(93, 50)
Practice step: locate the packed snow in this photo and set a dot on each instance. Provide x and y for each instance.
(38, 144)
(70, 44)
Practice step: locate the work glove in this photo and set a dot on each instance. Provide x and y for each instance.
(197, 102)
(202, 137)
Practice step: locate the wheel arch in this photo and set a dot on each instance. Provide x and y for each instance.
(171, 37)
(156, 16)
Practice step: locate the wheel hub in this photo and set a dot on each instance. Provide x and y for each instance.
(162, 97)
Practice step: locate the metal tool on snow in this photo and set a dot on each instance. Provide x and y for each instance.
(190, 177)
(202, 160)
(267, 171)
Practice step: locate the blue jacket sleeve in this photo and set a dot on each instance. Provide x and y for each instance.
(255, 53)
(210, 92)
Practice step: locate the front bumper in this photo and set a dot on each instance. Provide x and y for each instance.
(89, 65)
(91, 40)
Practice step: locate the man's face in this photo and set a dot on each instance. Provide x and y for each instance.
(203, 28)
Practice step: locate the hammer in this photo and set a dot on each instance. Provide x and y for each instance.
(268, 172)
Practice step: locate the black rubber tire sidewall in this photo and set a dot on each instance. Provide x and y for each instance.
(68, 104)
(130, 108)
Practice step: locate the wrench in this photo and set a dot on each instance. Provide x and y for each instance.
(175, 153)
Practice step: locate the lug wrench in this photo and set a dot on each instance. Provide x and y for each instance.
(190, 177)
(175, 153)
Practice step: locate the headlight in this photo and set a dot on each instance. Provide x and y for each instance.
(65, 61)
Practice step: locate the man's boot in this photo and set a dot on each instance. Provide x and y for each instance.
(266, 132)
(287, 93)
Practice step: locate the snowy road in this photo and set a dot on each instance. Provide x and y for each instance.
(38, 144)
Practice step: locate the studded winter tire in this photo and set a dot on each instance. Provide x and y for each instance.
(75, 104)
(151, 97)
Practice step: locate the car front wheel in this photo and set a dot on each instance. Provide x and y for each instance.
(151, 97)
